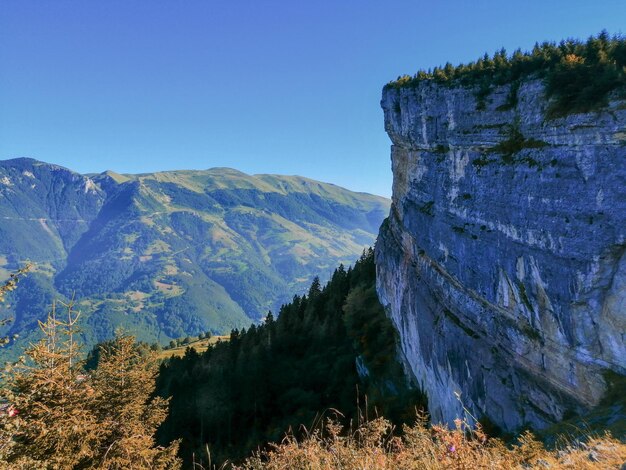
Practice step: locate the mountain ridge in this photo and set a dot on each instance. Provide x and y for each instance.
(176, 252)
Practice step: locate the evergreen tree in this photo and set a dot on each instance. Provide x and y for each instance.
(50, 421)
(125, 411)
(315, 288)
(58, 415)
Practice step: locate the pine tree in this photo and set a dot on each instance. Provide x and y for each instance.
(125, 411)
(49, 422)
(55, 415)
(315, 288)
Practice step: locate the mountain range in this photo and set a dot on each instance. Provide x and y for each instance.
(174, 253)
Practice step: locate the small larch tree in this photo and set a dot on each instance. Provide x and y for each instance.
(48, 420)
(126, 410)
(57, 415)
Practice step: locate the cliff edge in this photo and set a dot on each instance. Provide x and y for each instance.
(503, 260)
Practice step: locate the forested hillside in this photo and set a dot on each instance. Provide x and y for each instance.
(331, 349)
(171, 254)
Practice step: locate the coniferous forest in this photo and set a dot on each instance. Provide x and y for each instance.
(578, 76)
(332, 350)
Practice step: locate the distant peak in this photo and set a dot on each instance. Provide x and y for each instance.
(118, 178)
(225, 169)
(20, 160)
(28, 162)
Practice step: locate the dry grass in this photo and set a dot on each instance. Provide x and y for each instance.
(200, 346)
(373, 446)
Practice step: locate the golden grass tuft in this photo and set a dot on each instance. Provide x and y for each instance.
(373, 446)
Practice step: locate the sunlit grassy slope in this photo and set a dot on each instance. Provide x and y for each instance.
(200, 345)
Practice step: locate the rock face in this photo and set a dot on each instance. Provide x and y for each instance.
(503, 261)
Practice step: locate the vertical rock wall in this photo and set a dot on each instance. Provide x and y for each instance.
(503, 261)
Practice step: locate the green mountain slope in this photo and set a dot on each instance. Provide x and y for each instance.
(172, 253)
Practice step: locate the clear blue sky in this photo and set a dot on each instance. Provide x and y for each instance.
(290, 86)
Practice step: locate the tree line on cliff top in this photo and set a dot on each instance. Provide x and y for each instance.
(579, 76)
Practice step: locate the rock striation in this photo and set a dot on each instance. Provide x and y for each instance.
(503, 260)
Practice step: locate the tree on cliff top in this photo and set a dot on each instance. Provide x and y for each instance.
(578, 76)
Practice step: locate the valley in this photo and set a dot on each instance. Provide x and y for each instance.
(171, 254)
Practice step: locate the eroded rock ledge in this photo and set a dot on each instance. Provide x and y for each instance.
(503, 261)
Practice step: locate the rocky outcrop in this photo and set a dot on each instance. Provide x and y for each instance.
(503, 261)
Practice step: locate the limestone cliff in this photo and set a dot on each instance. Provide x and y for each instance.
(503, 261)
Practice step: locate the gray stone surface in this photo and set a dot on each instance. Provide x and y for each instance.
(505, 274)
